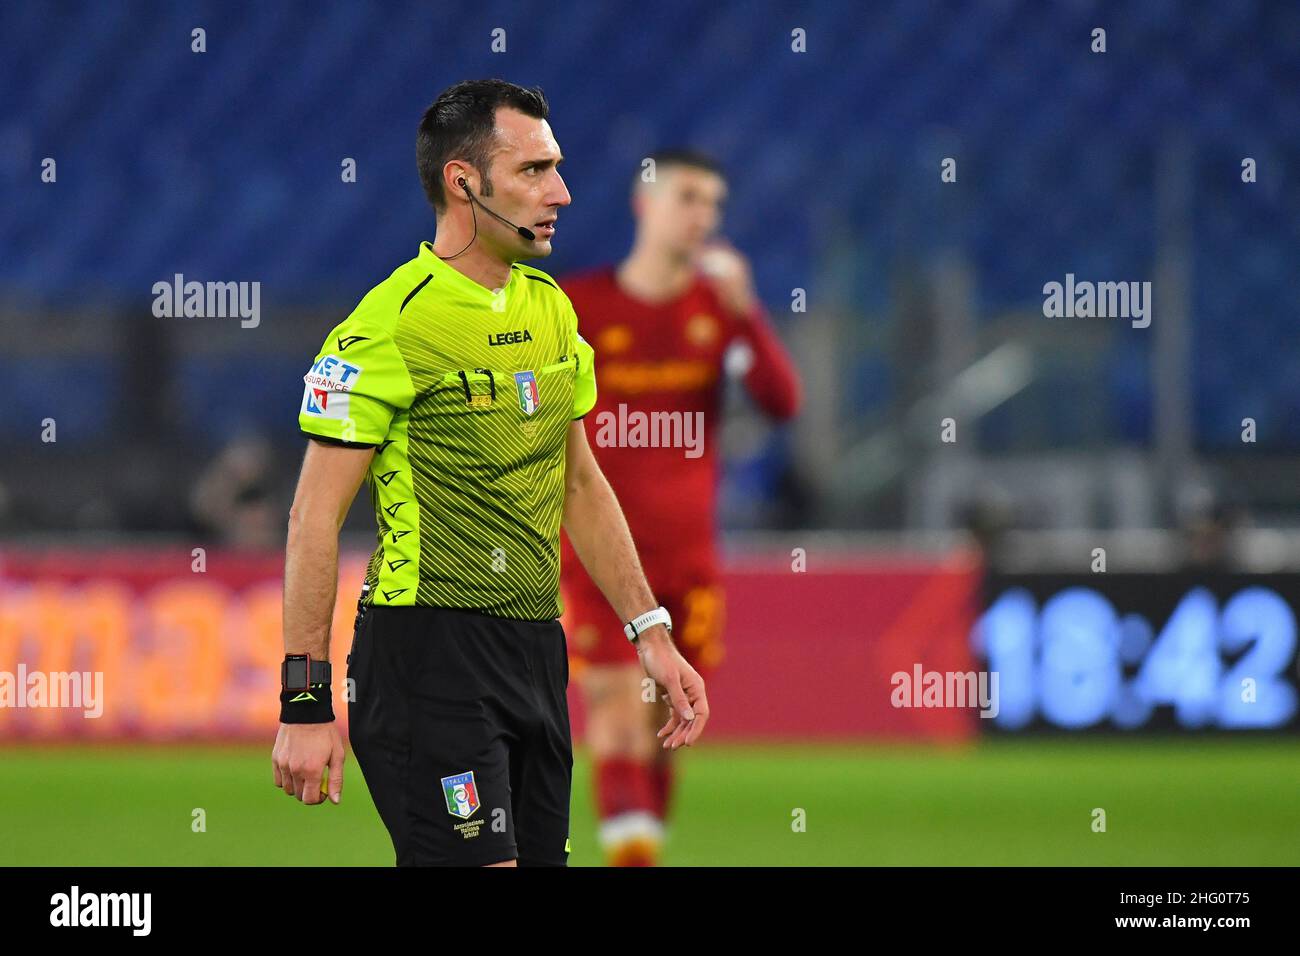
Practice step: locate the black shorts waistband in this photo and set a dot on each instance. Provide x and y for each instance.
(430, 611)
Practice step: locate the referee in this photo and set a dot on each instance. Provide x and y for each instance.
(456, 388)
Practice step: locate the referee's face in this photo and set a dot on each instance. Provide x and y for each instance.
(527, 187)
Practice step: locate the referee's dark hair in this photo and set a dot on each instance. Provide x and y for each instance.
(459, 125)
(668, 158)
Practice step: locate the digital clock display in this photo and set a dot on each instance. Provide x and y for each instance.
(1129, 651)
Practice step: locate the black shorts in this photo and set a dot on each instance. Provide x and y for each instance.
(461, 727)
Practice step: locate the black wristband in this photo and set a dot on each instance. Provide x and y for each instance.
(312, 705)
(305, 690)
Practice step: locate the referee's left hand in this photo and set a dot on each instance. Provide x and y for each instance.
(684, 688)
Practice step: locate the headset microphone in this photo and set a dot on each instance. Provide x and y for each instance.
(526, 233)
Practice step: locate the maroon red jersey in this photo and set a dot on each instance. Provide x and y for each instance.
(659, 382)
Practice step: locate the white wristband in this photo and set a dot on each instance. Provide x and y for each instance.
(638, 625)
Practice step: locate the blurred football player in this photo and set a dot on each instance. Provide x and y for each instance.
(668, 322)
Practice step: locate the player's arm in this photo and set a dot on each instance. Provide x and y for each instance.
(771, 379)
(770, 376)
(599, 534)
(330, 477)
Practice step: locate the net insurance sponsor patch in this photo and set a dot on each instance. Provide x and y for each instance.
(326, 387)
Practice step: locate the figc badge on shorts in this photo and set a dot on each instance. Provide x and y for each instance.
(461, 794)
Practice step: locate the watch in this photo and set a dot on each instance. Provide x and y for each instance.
(638, 625)
(300, 671)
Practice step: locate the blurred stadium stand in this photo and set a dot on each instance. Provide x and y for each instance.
(924, 297)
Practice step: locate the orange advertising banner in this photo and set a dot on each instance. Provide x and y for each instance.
(180, 645)
(150, 644)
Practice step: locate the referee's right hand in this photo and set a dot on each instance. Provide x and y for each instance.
(302, 754)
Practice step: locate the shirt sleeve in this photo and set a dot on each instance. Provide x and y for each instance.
(356, 384)
(771, 378)
(584, 386)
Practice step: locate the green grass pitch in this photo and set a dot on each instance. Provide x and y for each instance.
(1167, 802)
